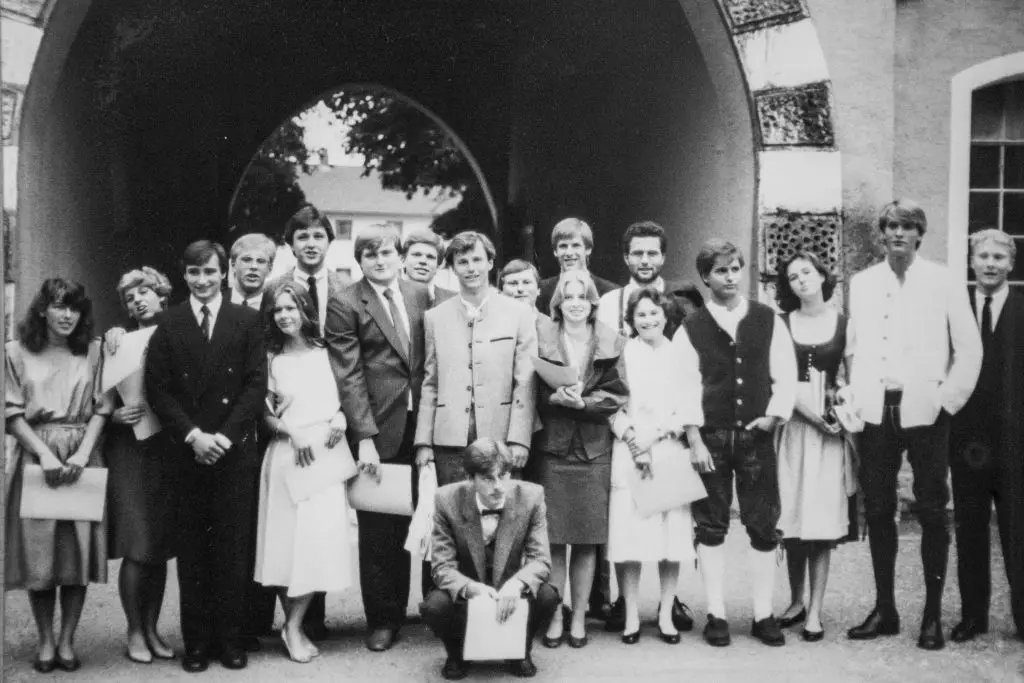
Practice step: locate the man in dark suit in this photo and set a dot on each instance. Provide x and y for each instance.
(572, 240)
(374, 335)
(490, 540)
(424, 253)
(986, 441)
(206, 380)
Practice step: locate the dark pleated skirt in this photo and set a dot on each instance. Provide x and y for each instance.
(576, 493)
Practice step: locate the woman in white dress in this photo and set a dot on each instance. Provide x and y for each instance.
(664, 400)
(817, 473)
(302, 547)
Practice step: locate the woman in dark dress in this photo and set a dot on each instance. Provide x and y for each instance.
(141, 489)
(816, 468)
(56, 414)
(573, 450)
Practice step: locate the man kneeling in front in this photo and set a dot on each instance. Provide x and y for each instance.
(490, 540)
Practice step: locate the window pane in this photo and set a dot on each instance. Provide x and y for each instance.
(987, 113)
(983, 211)
(1014, 111)
(1013, 213)
(1013, 171)
(984, 166)
(342, 229)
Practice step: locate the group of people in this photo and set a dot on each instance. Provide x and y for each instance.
(258, 385)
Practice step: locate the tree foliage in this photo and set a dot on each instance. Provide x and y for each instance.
(269, 192)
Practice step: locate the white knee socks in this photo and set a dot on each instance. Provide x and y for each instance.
(712, 570)
(762, 570)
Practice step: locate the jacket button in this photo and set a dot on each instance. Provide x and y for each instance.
(739, 423)
(739, 380)
(739, 361)
(467, 411)
(224, 401)
(739, 401)
(469, 388)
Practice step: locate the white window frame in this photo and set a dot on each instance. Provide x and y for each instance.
(994, 71)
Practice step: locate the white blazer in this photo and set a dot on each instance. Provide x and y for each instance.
(940, 358)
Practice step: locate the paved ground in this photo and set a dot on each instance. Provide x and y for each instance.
(995, 657)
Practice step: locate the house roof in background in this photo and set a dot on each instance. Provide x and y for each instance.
(343, 189)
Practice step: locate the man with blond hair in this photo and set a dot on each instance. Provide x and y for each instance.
(572, 241)
(252, 259)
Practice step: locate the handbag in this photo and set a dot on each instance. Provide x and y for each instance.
(675, 482)
(82, 501)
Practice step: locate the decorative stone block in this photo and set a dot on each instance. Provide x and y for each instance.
(8, 227)
(782, 56)
(782, 235)
(800, 180)
(796, 116)
(11, 100)
(747, 15)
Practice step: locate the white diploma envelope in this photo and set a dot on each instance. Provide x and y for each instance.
(674, 483)
(82, 501)
(132, 392)
(392, 496)
(486, 639)
(130, 357)
(331, 466)
(555, 375)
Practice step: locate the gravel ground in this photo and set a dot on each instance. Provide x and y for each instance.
(417, 657)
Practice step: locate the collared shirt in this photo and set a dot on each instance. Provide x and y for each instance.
(781, 356)
(255, 301)
(475, 312)
(400, 303)
(488, 523)
(612, 307)
(320, 276)
(894, 331)
(998, 301)
(213, 306)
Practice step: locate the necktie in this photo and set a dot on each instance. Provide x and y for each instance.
(986, 322)
(205, 324)
(489, 511)
(314, 295)
(396, 318)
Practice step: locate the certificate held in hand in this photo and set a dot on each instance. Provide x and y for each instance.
(674, 483)
(555, 375)
(488, 640)
(82, 501)
(392, 496)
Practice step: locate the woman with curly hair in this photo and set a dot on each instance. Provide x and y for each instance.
(141, 488)
(816, 468)
(303, 543)
(56, 413)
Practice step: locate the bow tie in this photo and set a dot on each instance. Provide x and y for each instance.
(489, 511)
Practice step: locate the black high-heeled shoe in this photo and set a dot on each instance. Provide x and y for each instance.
(670, 638)
(812, 636)
(631, 638)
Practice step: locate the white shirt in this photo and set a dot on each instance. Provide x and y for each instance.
(998, 301)
(255, 301)
(400, 303)
(781, 356)
(921, 335)
(213, 306)
(612, 306)
(320, 276)
(489, 523)
(475, 312)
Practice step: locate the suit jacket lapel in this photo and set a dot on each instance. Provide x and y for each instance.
(474, 532)
(375, 307)
(415, 312)
(507, 533)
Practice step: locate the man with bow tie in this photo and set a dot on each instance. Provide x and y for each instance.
(490, 540)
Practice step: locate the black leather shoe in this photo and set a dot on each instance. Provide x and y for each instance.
(577, 642)
(598, 610)
(316, 632)
(931, 634)
(968, 629)
(250, 643)
(631, 638)
(381, 639)
(454, 669)
(716, 632)
(768, 632)
(812, 636)
(793, 620)
(234, 658)
(553, 642)
(69, 665)
(682, 619)
(877, 624)
(670, 638)
(195, 660)
(616, 620)
(44, 666)
(523, 668)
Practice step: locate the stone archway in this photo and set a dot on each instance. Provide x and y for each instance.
(787, 92)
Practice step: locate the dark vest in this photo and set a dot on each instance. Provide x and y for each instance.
(736, 374)
(986, 402)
